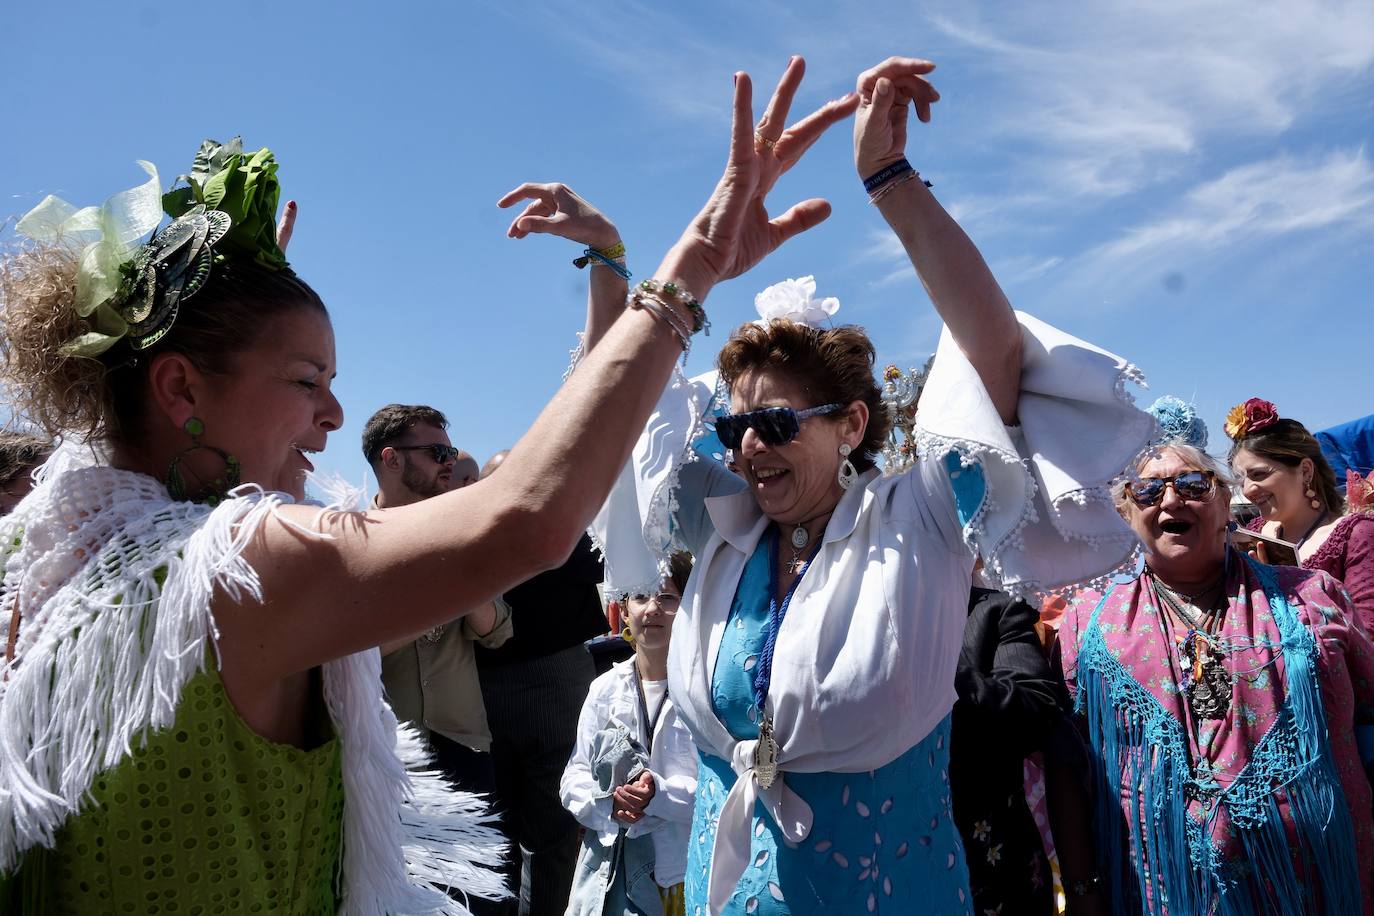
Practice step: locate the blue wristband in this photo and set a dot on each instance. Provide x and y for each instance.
(883, 176)
(591, 254)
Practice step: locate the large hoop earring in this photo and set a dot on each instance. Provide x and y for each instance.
(626, 635)
(848, 473)
(215, 493)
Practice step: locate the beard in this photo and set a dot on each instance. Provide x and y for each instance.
(422, 486)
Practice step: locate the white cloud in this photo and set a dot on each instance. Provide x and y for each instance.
(1249, 204)
(1107, 103)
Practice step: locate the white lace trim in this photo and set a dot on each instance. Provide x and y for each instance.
(933, 447)
(936, 447)
(657, 525)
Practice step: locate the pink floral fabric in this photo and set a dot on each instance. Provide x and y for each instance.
(1348, 555)
(1146, 643)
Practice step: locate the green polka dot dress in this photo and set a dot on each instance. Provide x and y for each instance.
(206, 817)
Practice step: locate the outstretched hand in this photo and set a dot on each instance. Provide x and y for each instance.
(556, 209)
(886, 93)
(733, 232)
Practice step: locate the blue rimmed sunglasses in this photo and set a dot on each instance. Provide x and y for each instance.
(774, 425)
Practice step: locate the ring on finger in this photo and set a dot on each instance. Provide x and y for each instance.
(765, 142)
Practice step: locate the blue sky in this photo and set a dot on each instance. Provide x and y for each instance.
(1187, 183)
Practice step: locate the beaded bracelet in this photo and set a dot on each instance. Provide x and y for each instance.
(671, 290)
(663, 312)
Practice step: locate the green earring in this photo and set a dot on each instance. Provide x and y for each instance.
(177, 487)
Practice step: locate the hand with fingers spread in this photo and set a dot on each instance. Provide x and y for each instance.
(733, 232)
(555, 209)
(886, 93)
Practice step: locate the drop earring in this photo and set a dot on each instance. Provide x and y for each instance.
(177, 487)
(848, 473)
(1311, 495)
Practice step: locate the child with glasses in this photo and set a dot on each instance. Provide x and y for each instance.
(632, 779)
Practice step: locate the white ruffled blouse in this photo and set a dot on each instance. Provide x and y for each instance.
(865, 659)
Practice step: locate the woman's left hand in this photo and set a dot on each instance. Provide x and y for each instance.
(885, 92)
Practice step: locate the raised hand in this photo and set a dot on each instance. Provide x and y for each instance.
(885, 94)
(733, 232)
(555, 209)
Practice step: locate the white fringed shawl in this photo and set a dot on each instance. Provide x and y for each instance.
(113, 581)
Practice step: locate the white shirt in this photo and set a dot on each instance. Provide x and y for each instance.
(865, 659)
(613, 699)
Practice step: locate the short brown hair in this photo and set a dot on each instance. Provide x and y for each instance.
(392, 422)
(833, 365)
(1288, 442)
(104, 397)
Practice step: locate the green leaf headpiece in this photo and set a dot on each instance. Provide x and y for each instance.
(131, 290)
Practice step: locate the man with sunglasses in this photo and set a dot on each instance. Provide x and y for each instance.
(432, 680)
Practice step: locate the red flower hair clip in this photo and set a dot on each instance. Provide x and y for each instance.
(1251, 417)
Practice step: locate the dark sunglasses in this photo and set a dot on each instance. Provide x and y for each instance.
(442, 454)
(774, 425)
(1149, 491)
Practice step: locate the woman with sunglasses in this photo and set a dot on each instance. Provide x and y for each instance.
(191, 712)
(815, 652)
(1221, 699)
(632, 775)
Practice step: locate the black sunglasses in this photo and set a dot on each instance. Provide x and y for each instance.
(441, 453)
(774, 425)
(1149, 491)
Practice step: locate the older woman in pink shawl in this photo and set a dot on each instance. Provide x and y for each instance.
(1221, 698)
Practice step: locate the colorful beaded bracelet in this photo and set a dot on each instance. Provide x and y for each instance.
(671, 290)
(651, 303)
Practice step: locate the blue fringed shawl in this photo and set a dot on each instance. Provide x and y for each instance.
(1173, 861)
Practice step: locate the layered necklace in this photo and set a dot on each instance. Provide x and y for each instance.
(1206, 679)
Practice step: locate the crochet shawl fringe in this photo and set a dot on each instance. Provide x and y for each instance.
(1166, 857)
(114, 583)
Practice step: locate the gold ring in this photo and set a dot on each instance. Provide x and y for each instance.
(763, 141)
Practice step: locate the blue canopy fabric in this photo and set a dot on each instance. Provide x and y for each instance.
(1349, 446)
